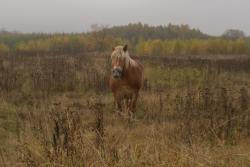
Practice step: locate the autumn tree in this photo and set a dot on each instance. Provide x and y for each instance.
(233, 34)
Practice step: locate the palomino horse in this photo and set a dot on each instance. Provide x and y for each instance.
(126, 78)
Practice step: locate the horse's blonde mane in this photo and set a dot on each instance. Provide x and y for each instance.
(120, 55)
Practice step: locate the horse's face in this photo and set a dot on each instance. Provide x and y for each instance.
(118, 58)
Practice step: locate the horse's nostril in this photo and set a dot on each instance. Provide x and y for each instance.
(116, 73)
(118, 70)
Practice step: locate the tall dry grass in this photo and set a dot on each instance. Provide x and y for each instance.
(58, 111)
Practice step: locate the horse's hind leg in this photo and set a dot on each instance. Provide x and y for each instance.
(119, 106)
(129, 104)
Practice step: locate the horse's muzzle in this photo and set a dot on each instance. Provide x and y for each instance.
(116, 72)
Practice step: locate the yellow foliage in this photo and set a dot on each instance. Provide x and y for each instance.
(4, 49)
(192, 47)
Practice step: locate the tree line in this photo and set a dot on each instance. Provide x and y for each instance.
(57, 44)
(193, 47)
(142, 38)
(136, 32)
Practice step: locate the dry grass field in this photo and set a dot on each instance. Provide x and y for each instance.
(58, 111)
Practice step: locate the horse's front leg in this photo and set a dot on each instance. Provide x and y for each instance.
(133, 101)
(118, 103)
(132, 105)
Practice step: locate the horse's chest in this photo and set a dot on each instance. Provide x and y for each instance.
(120, 86)
(125, 91)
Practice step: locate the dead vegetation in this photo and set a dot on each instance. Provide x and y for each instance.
(58, 111)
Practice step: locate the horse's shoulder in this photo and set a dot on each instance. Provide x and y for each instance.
(139, 64)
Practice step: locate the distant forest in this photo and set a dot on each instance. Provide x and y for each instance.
(142, 39)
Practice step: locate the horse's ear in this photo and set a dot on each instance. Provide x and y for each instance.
(125, 48)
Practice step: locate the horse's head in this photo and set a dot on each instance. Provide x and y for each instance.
(119, 58)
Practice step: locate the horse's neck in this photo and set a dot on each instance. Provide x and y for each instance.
(130, 62)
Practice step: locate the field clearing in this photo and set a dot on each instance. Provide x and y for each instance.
(58, 111)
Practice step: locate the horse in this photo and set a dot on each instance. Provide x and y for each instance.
(126, 79)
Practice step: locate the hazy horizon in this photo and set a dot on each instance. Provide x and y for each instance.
(213, 17)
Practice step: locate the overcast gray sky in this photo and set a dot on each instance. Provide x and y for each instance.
(210, 16)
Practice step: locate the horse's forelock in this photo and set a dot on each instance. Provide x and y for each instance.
(119, 55)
